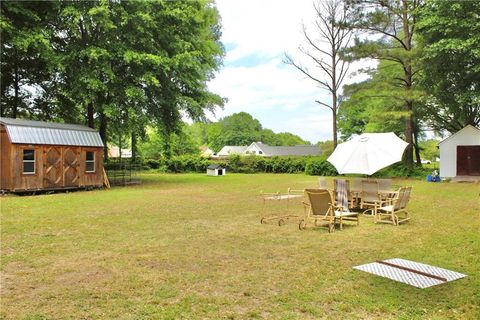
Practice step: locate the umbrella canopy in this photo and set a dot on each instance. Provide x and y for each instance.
(368, 153)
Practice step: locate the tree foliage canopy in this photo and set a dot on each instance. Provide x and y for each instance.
(450, 36)
(116, 65)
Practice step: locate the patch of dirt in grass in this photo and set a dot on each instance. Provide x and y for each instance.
(83, 276)
(14, 280)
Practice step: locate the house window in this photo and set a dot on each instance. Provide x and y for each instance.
(90, 161)
(260, 152)
(28, 161)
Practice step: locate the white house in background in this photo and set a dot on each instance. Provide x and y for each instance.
(114, 152)
(264, 150)
(206, 152)
(460, 153)
(228, 150)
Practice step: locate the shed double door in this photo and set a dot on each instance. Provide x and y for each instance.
(61, 167)
(468, 160)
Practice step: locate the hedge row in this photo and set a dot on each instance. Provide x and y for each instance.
(317, 166)
(242, 164)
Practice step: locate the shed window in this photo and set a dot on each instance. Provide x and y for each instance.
(90, 162)
(28, 161)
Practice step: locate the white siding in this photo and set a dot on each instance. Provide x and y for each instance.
(468, 136)
(254, 149)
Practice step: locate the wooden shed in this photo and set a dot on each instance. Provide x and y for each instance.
(39, 155)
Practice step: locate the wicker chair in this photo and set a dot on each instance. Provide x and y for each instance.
(318, 209)
(356, 189)
(390, 213)
(384, 184)
(370, 198)
(322, 183)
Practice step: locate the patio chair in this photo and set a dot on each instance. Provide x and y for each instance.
(389, 213)
(322, 183)
(356, 189)
(340, 188)
(318, 208)
(384, 184)
(370, 198)
(343, 202)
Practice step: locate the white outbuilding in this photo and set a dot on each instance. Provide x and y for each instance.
(216, 170)
(460, 153)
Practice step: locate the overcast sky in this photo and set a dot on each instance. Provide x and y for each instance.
(256, 35)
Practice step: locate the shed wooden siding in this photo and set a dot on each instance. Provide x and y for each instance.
(56, 167)
(5, 147)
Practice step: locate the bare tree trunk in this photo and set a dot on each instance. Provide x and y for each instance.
(409, 128)
(134, 146)
(16, 87)
(416, 146)
(334, 121)
(103, 134)
(90, 120)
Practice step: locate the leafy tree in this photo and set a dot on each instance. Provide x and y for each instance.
(269, 137)
(26, 53)
(120, 65)
(429, 149)
(326, 147)
(289, 139)
(157, 146)
(374, 105)
(395, 21)
(331, 17)
(450, 34)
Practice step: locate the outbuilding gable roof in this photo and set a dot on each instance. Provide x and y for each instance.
(50, 133)
(459, 132)
(214, 166)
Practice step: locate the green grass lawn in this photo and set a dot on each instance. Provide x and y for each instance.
(191, 246)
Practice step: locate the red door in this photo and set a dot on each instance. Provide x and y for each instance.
(468, 160)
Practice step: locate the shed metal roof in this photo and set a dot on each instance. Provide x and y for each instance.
(39, 132)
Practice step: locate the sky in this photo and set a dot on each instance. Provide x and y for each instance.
(256, 35)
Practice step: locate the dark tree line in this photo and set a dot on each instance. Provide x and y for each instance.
(117, 66)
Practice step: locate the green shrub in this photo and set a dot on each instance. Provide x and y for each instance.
(320, 167)
(401, 170)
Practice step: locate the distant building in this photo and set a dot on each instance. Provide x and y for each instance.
(114, 152)
(264, 150)
(460, 153)
(229, 150)
(206, 152)
(261, 149)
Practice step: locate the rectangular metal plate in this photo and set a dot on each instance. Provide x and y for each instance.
(410, 277)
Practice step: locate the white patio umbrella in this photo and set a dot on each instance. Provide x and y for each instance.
(368, 153)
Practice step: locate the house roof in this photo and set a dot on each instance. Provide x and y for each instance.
(300, 150)
(458, 132)
(39, 132)
(214, 166)
(232, 150)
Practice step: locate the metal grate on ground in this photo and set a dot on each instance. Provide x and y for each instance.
(410, 272)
